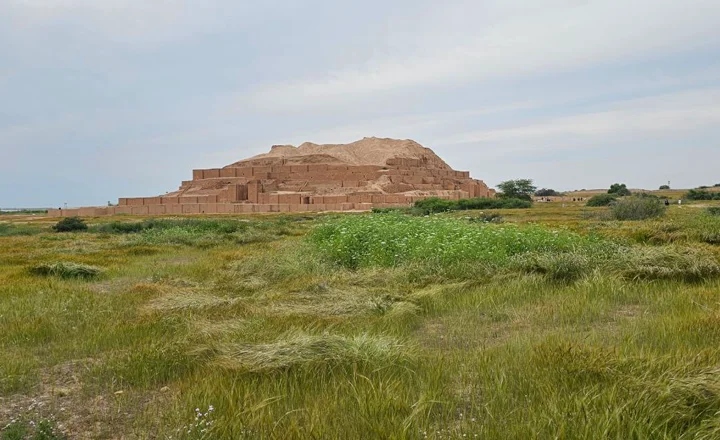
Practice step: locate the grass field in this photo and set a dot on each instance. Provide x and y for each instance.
(551, 322)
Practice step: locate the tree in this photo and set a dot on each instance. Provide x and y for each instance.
(517, 189)
(664, 186)
(601, 200)
(547, 192)
(619, 189)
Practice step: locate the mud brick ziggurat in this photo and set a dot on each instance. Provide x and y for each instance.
(372, 172)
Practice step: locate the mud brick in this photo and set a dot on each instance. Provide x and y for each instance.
(244, 172)
(140, 210)
(299, 168)
(413, 180)
(242, 208)
(169, 200)
(347, 206)
(378, 199)
(188, 200)
(261, 171)
(211, 173)
(224, 208)
(228, 172)
(123, 210)
(198, 174)
(123, 201)
(363, 206)
(253, 190)
(190, 208)
(317, 168)
(157, 209)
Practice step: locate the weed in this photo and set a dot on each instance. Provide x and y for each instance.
(67, 270)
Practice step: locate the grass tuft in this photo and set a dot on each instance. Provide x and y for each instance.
(302, 350)
(67, 270)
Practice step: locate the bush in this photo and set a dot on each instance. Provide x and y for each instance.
(715, 210)
(70, 224)
(547, 192)
(434, 205)
(664, 187)
(701, 194)
(619, 189)
(601, 200)
(66, 270)
(637, 208)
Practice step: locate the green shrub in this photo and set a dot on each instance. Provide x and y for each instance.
(664, 187)
(601, 200)
(637, 208)
(435, 205)
(67, 270)
(70, 224)
(487, 203)
(714, 210)
(701, 194)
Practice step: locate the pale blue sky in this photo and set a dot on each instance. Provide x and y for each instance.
(121, 98)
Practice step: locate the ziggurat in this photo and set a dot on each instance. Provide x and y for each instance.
(369, 173)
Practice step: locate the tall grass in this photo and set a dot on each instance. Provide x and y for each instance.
(14, 230)
(516, 330)
(64, 269)
(200, 232)
(435, 205)
(637, 208)
(393, 240)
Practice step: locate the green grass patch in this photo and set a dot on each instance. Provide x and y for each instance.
(394, 240)
(67, 270)
(15, 230)
(435, 205)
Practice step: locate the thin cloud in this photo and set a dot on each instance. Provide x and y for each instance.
(573, 36)
(655, 116)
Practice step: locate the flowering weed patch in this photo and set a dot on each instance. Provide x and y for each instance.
(393, 240)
